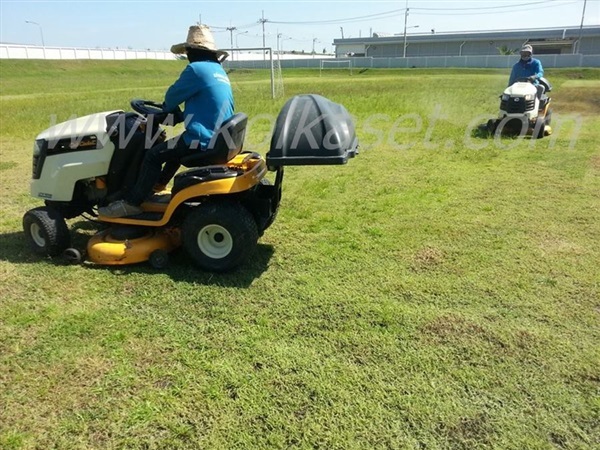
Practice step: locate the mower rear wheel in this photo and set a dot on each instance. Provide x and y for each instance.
(46, 231)
(219, 236)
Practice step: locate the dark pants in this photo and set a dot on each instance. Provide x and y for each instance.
(152, 171)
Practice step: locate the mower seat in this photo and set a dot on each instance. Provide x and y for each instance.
(225, 144)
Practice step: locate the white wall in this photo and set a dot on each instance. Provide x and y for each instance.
(15, 51)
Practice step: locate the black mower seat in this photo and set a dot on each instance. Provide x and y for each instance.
(224, 146)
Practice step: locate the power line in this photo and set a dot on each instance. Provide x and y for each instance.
(386, 14)
(444, 11)
(491, 12)
(519, 5)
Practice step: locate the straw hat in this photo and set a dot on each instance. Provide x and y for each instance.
(199, 36)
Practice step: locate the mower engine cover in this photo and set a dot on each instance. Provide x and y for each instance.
(312, 130)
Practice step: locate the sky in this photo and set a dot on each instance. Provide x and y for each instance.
(301, 25)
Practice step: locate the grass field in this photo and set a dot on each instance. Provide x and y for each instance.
(441, 291)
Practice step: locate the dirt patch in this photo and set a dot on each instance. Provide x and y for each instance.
(451, 328)
(580, 100)
(555, 244)
(428, 257)
(469, 432)
(595, 162)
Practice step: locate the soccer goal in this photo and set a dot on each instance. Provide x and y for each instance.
(335, 64)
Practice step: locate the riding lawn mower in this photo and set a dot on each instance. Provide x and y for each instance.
(216, 209)
(524, 110)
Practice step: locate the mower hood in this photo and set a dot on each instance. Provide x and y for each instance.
(93, 124)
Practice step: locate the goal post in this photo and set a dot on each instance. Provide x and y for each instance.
(270, 62)
(335, 64)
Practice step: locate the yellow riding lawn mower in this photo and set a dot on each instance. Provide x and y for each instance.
(216, 210)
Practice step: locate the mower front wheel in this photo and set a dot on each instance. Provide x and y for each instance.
(219, 236)
(46, 231)
(539, 129)
(548, 118)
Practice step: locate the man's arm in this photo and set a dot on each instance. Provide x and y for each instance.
(185, 87)
(513, 76)
(539, 70)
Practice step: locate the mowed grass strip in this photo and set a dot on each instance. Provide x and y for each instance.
(440, 291)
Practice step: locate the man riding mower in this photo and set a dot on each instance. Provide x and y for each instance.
(216, 210)
(524, 106)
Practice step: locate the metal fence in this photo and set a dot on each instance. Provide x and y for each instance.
(491, 61)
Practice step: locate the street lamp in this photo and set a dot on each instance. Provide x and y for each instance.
(405, 44)
(41, 32)
(406, 9)
(281, 37)
(313, 47)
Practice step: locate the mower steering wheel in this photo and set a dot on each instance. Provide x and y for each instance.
(150, 108)
(525, 80)
(147, 107)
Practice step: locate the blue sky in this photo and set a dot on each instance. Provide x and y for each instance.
(158, 24)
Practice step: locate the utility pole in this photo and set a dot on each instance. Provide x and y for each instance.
(405, 22)
(342, 30)
(581, 26)
(231, 30)
(262, 20)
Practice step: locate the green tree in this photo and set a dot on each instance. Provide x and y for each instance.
(506, 50)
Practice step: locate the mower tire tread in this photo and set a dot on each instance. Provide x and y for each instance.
(46, 231)
(219, 236)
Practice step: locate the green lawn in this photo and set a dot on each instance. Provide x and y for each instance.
(441, 291)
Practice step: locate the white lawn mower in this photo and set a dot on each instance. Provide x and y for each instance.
(216, 210)
(524, 110)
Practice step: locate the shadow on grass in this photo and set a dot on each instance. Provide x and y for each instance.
(14, 248)
(181, 268)
(481, 132)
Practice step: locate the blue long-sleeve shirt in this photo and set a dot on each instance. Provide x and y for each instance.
(525, 69)
(206, 91)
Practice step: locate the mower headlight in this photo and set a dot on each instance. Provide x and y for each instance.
(529, 97)
(505, 97)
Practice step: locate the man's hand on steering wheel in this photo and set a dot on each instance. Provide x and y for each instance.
(177, 114)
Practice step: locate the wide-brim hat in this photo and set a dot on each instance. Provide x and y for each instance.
(200, 36)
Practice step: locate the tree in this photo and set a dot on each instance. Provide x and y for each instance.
(506, 50)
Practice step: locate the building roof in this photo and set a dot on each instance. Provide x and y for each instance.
(558, 33)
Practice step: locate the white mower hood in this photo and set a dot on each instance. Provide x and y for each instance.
(520, 89)
(81, 126)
